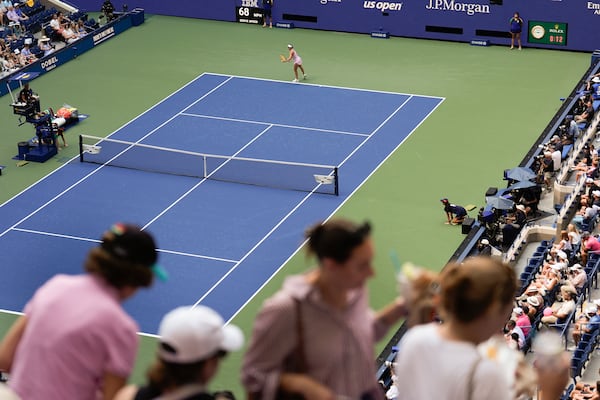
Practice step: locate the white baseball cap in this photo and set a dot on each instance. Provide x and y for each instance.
(189, 334)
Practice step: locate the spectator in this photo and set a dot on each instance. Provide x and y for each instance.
(484, 247)
(80, 28)
(589, 188)
(55, 23)
(556, 156)
(20, 13)
(4, 4)
(522, 320)
(442, 361)
(315, 317)
(68, 33)
(594, 87)
(108, 10)
(574, 235)
(546, 169)
(530, 198)
(192, 342)
(585, 117)
(45, 45)
(576, 278)
(556, 144)
(589, 244)
(585, 391)
(513, 225)
(587, 322)
(510, 328)
(585, 214)
(561, 308)
(475, 297)
(455, 214)
(565, 243)
(12, 15)
(27, 54)
(75, 340)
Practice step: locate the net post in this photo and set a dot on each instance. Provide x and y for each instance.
(80, 148)
(335, 174)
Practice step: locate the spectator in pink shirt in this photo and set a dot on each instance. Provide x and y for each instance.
(315, 337)
(589, 244)
(522, 320)
(74, 340)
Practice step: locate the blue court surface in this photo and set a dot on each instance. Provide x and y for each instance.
(219, 241)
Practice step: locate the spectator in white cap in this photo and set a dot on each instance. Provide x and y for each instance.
(589, 188)
(192, 342)
(522, 320)
(484, 247)
(576, 278)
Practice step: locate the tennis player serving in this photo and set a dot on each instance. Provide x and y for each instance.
(293, 56)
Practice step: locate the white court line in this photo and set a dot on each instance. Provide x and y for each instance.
(334, 212)
(83, 239)
(102, 166)
(112, 133)
(274, 124)
(206, 178)
(213, 287)
(294, 210)
(20, 313)
(325, 86)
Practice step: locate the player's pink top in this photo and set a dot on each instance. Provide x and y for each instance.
(295, 57)
(76, 332)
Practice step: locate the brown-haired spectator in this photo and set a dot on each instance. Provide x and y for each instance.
(316, 335)
(74, 340)
(441, 361)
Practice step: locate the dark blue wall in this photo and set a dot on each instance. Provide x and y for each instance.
(408, 19)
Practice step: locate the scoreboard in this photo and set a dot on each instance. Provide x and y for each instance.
(249, 12)
(554, 33)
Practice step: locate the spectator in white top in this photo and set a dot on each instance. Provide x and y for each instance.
(556, 157)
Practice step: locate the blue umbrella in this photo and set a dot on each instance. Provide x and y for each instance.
(520, 174)
(500, 203)
(522, 185)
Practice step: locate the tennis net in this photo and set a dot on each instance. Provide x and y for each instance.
(270, 173)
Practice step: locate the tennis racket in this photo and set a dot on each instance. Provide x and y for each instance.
(282, 58)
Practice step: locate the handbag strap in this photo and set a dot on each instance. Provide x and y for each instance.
(299, 356)
(470, 383)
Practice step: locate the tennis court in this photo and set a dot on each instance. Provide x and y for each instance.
(220, 241)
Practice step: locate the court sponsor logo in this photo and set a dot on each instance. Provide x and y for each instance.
(250, 3)
(104, 35)
(49, 64)
(595, 7)
(382, 5)
(329, 1)
(452, 5)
